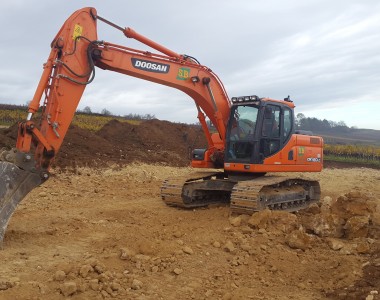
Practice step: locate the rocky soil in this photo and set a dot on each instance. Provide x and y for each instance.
(101, 231)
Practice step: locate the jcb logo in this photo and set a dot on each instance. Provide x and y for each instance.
(183, 73)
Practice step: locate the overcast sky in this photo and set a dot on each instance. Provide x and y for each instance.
(325, 54)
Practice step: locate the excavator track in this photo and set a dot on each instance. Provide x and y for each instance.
(275, 193)
(197, 190)
(247, 196)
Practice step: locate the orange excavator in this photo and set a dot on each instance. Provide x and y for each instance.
(253, 135)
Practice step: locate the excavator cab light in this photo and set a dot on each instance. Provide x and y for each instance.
(242, 99)
(195, 79)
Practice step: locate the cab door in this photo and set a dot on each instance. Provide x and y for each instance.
(277, 127)
(270, 141)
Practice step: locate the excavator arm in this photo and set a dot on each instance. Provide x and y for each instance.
(71, 65)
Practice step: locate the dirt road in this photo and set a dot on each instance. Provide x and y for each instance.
(106, 234)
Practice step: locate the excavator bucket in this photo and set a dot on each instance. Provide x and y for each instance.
(15, 184)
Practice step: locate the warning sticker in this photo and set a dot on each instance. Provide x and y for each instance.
(77, 31)
(301, 151)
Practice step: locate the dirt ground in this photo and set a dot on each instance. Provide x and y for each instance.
(100, 230)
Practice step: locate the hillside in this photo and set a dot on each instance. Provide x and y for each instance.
(352, 136)
(338, 132)
(333, 133)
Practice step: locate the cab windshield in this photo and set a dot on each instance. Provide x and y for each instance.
(241, 132)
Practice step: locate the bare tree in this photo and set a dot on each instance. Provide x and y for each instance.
(87, 110)
(105, 112)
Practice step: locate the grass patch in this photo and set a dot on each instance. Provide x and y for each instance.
(93, 122)
(352, 160)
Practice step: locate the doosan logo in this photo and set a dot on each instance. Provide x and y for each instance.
(150, 66)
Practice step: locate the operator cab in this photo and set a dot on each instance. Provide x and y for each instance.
(257, 128)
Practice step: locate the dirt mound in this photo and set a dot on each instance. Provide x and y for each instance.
(348, 225)
(8, 137)
(152, 141)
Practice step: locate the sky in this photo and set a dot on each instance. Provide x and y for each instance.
(325, 54)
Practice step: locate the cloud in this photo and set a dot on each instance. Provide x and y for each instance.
(325, 54)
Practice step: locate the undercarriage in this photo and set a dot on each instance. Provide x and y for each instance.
(245, 195)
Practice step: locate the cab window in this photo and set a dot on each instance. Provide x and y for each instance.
(287, 123)
(270, 141)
